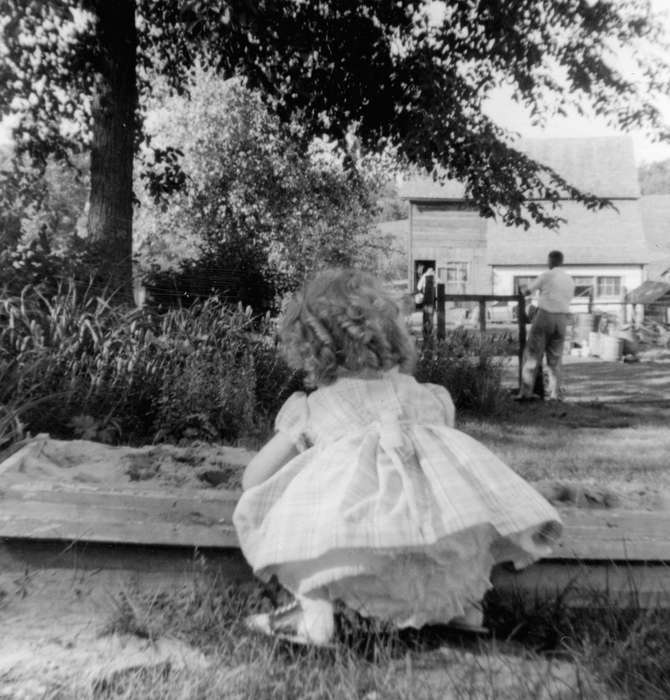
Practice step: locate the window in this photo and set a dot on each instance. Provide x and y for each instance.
(522, 282)
(454, 275)
(584, 286)
(609, 286)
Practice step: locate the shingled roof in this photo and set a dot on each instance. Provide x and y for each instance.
(603, 237)
(604, 166)
(650, 292)
(656, 221)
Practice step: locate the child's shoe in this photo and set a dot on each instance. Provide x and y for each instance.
(307, 621)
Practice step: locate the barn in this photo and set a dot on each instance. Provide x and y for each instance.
(605, 251)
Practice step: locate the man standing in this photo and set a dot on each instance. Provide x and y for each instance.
(547, 331)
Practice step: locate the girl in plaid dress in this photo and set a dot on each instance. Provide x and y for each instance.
(367, 494)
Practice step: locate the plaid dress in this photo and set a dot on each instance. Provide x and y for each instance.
(387, 506)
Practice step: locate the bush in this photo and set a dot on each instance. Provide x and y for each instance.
(469, 365)
(76, 366)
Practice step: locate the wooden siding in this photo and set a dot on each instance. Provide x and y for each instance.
(451, 232)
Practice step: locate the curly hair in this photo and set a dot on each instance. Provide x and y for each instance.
(344, 319)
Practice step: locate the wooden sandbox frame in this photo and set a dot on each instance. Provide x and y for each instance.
(622, 554)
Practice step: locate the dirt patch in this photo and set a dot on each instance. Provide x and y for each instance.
(545, 452)
(61, 650)
(53, 624)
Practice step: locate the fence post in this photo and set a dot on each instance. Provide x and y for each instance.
(482, 316)
(428, 308)
(441, 322)
(521, 321)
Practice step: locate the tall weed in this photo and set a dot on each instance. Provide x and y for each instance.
(470, 366)
(188, 373)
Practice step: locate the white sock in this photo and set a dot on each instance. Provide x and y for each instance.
(317, 622)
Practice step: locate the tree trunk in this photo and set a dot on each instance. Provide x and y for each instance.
(111, 198)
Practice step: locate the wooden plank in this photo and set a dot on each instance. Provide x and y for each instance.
(482, 316)
(521, 323)
(204, 518)
(118, 510)
(168, 564)
(179, 498)
(481, 297)
(586, 585)
(428, 308)
(441, 315)
(195, 518)
(105, 564)
(128, 532)
(614, 535)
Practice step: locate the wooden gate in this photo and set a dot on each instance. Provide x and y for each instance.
(433, 302)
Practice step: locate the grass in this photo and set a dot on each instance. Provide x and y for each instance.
(600, 444)
(541, 650)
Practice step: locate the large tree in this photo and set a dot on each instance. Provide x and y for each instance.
(255, 215)
(75, 72)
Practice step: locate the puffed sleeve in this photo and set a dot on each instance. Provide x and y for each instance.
(446, 402)
(293, 418)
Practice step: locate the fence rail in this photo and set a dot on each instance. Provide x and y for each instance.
(431, 300)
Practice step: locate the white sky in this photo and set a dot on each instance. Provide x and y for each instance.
(512, 116)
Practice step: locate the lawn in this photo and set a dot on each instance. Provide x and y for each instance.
(621, 448)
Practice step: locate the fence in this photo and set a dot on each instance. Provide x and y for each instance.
(431, 301)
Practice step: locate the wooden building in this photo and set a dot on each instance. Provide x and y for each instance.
(605, 251)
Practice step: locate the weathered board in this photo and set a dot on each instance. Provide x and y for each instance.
(582, 584)
(623, 554)
(615, 535)
(203, 518)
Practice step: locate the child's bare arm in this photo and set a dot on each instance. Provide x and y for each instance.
(272, 457)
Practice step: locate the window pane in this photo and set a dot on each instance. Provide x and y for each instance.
(522, 281)
(609, 286)
(583, 286)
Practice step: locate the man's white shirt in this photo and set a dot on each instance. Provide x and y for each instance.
(556, 290)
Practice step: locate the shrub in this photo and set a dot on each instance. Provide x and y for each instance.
(75, 365)
(470, 366)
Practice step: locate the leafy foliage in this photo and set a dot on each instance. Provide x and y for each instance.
(403, 77)
(46, 203)
(469, 365)
(255, 214)
(73, 364)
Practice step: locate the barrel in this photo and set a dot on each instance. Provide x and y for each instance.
(611, 348)
(583, 326)
(594, 344)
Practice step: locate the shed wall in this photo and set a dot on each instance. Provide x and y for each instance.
(448, 232)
